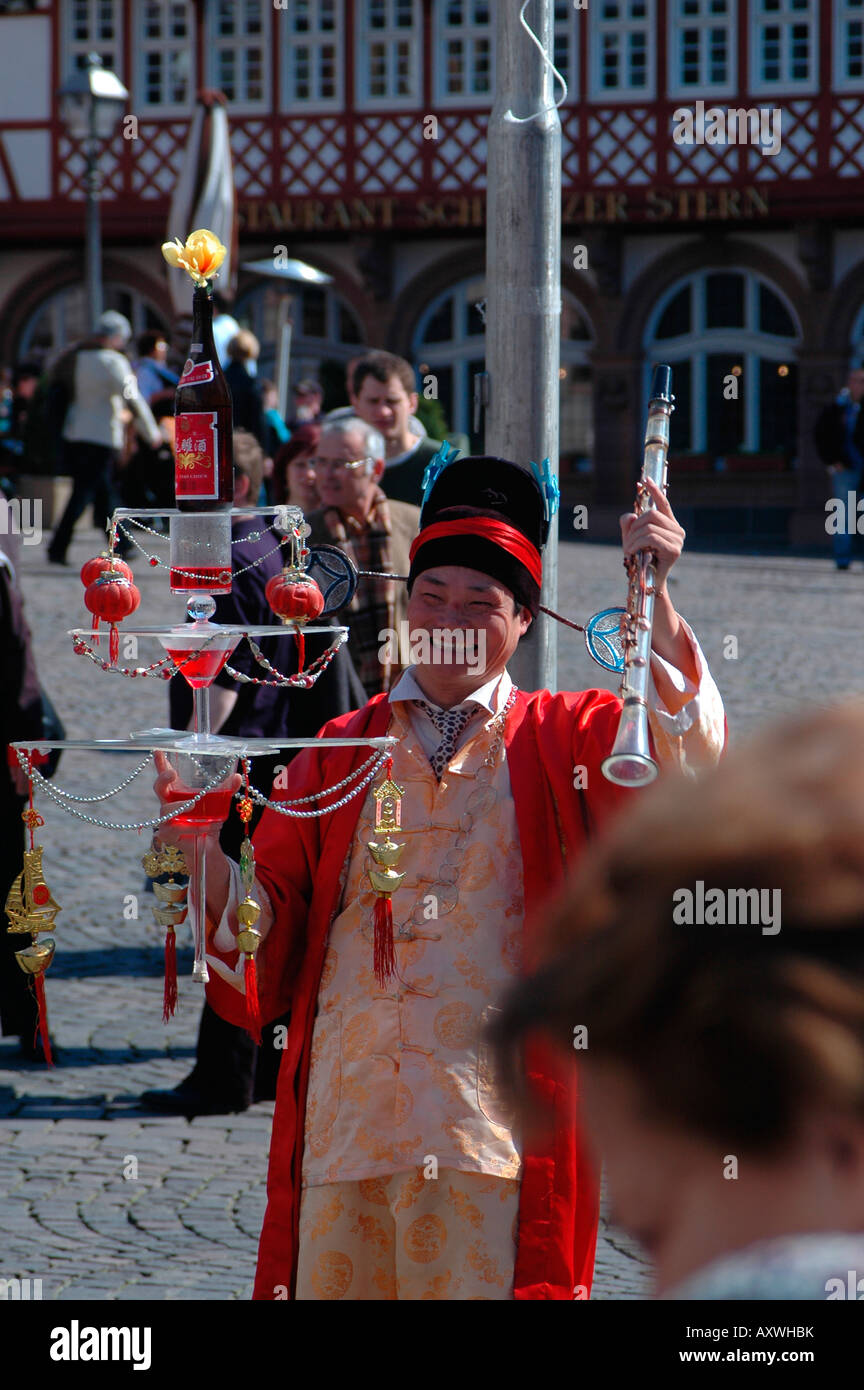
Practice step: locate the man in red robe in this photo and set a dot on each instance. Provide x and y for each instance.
(394, 1172)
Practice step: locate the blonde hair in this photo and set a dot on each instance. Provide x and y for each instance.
(243, 346)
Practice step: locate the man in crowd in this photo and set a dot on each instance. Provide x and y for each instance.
(384, 395)
(396, 1171)
(374, 532)
(308, 399)
(152, 373)
(839, 438)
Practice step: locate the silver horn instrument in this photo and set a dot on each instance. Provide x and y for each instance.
(630, 763)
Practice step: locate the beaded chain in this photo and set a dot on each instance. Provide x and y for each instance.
(123, 528)
(103, 796)
(316, 796)
(302, 681)
(284, 810)
(181, 810)
(61, 796)
(167, 667)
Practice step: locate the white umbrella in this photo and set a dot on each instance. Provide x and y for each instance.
(204, 193)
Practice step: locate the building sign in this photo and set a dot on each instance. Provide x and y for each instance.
(386, 213)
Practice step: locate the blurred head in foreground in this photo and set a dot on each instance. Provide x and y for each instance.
(721, 1066)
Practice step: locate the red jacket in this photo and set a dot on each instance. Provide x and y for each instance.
(303, 865)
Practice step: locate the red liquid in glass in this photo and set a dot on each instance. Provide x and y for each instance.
(214, 808)
(209, 579)
(199, 669)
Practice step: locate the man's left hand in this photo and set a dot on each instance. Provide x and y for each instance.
(657, 530)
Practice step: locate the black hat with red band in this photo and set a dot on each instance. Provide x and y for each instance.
(485, 514)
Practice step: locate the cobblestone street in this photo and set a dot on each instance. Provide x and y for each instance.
(100, 1200)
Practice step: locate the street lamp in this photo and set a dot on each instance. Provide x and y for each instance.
(91, 103)
(297, 273)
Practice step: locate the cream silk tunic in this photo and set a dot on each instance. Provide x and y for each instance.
(402, 1074)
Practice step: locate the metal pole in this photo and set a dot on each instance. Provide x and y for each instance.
(93, 247)
(523, 284)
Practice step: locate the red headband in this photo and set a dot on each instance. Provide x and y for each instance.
(498, 532)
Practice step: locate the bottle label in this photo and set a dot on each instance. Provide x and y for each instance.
(196, 373)
(196, 472)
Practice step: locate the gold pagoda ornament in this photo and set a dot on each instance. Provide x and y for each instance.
(172, 910)
(31, 908)
(385, 878)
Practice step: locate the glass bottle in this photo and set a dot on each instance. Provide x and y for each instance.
(203, 464)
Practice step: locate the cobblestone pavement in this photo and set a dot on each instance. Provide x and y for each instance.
(101, 1201)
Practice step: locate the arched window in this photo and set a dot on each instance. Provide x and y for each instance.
(62, 319)
(449, 343)
(326, 333)
(731, 339)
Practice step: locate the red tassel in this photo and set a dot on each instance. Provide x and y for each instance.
(384, 952)
(169, 996)
(301, 651)
(43, 1020)
(253, 1008)
(114, 645)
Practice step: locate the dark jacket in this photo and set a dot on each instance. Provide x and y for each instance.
(246, 400)
(403, 482)
(829, 435)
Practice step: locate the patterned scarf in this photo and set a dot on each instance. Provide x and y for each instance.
(372, 608)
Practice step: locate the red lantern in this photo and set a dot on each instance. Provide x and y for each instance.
(112, 596)
(91, 569)
(295, 598)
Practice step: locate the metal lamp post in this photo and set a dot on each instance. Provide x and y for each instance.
(297, 273)
(91, 103)
(523, 285)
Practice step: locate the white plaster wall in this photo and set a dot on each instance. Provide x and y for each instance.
(29, 153)
(25, 67)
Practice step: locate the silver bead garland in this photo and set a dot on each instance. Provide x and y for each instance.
(180, 810)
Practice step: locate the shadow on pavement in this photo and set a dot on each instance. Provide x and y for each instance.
(71, 1057)
(143, 961)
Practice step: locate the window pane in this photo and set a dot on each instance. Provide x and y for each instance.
(773, 314)
(679, 426)
(314, 314)
(725, 423)
(778, 395)
(440, 327)
(724, 301)
(675, 318)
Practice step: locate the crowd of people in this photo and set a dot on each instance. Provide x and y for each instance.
(537, 1011)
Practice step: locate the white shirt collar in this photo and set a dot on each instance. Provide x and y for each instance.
(492, 695)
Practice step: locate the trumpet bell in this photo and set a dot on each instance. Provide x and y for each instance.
(630, 763)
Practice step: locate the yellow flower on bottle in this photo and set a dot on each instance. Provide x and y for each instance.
(201, 257)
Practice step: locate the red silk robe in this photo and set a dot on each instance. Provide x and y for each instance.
(302, 864)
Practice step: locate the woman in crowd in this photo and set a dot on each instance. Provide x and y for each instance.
(293, 474)
(718, 1030)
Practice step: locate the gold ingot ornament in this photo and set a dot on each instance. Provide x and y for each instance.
(36, 958)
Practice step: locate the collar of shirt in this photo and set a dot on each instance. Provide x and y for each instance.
(488, 698)
(406, 454)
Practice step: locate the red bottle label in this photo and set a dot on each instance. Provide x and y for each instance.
(194, 373)
(196, 472)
